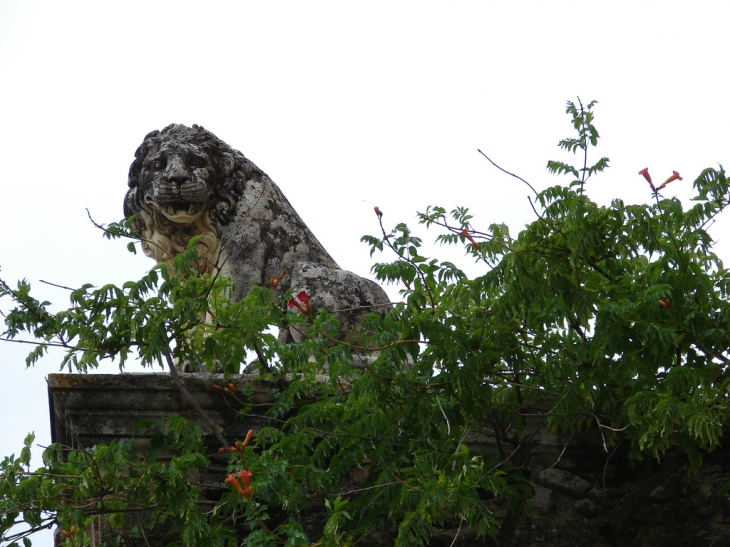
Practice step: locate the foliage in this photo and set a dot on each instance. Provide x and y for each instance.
(610, 317)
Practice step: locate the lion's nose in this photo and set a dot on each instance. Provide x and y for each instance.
(177, 177)
(176, 182)
(176, 174)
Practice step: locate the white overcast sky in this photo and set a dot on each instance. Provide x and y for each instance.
(345, 105)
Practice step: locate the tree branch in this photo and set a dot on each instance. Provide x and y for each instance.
(186, 394)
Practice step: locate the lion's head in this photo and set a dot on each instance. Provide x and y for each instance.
(184, 182)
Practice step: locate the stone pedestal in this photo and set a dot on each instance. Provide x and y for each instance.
(91, 409)
(580, 489)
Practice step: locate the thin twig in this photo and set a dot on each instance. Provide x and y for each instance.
(505, 171)
(371, 487)
(563, 450)
(49, 344)
(388, 305)
(136, 238)
(55, 285)
(457, 532)
(185, 393)
(448, 425)
(608, 427)
(605, 465)
(141, 529)
(463, 437)
(500, 464)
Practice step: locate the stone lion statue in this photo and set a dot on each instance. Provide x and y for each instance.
(186, 182)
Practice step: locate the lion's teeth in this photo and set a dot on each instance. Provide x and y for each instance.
(191, 209)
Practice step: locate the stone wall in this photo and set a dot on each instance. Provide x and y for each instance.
(584, 496)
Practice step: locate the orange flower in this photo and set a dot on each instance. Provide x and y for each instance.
(647, 176)
(247, 490)
(66, 534)
(240, 446)
(673, 177)
(245, 475)
(467, 235)
(378, 212)
(666, 304)
(274, 281)
(231, 479)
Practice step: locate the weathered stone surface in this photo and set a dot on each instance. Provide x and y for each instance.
(562, 480)
(346, 295)
(90, 409)
(185, 182)
(543, 500)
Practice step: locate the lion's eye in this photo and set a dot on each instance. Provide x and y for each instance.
(195, 162)
(158, 164)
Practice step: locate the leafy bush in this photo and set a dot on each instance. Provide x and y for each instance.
(609, 317)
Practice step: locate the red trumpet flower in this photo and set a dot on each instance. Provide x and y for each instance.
(301, 302)
(647, 176)
(674, 176)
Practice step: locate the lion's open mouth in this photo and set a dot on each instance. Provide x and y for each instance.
(181, 212)
(181, 208)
